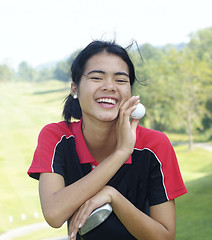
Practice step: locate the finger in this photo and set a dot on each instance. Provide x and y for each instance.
(71, 227)
(79, 220)
(130, 102)
(71, 237)
(85, 210)
(125, 115)
(83, 216)
(72, 224)
(134, 124)
(129, 107)
(73, 233)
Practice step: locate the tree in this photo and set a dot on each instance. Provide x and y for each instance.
(26, 72)
(61, 71)
(201, 46)
(179, 85)
(155, 94)
(6, 73)
(46, 74)
(73, 56)
(207, 118)
(189, 94)
(201, 43)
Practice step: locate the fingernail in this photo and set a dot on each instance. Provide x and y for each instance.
(72, 235)
(80, 225)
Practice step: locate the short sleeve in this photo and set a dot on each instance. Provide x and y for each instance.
(48, 151)
(166, 182)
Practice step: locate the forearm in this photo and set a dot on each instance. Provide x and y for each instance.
(59, 204)
(140, 225)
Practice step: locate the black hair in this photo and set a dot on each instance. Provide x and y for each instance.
(72, 107)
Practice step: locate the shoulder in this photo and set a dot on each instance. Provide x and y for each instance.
(54, 132)
(59, 129)
(148, 138)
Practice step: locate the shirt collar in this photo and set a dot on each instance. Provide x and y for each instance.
(81, 147)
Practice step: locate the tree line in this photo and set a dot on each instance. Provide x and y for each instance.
(178, 85)
(174, 83)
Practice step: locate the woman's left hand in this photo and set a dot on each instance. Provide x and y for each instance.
(80, 216)
(126, 129)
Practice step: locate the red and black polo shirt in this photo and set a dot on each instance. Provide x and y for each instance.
(150, 176)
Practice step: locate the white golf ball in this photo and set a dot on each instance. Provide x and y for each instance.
(139, 112)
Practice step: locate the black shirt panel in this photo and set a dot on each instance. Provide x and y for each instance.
(110, 229)
(66, 162)
(131, 180)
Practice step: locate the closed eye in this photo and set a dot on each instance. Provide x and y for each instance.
(122, 81)
(96, 78)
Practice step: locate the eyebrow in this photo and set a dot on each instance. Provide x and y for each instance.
(95, 71)
(122, 73)
(102, 72)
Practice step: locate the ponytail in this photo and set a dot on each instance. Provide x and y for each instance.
(71, 109)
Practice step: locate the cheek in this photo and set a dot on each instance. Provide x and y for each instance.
(127, 93)
(85, 95)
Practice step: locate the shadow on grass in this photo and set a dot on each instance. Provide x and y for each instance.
(194, 218)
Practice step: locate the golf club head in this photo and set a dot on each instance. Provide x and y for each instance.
(98, 216)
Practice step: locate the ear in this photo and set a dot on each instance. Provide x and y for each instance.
(73, 88)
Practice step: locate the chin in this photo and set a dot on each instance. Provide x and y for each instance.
(107, 117)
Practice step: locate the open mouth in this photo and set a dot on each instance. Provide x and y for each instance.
(109, 101)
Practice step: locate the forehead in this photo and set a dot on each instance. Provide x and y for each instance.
(106, 62)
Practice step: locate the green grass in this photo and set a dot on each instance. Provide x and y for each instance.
(194, 218)
(25, 109)
(194, 164)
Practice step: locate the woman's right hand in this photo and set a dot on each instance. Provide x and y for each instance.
(81, 215)
(126, 129)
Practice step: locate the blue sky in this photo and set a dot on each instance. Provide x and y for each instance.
(39, 31)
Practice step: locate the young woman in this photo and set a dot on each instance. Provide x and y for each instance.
(106, 157)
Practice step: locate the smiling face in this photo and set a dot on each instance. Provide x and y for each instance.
(104, 87)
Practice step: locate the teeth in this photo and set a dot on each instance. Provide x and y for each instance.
(106, 100)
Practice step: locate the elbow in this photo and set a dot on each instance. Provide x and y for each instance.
(170, 236)
(53, 219)
(53, 223)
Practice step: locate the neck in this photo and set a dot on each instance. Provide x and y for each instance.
(100, 137)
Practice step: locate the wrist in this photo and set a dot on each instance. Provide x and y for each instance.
(113, 195)
(123, 154)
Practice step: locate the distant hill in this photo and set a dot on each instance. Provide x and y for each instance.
(47, 65)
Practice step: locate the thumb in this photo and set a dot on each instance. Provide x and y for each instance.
(134, 124)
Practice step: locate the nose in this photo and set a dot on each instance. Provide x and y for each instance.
(109, 86)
